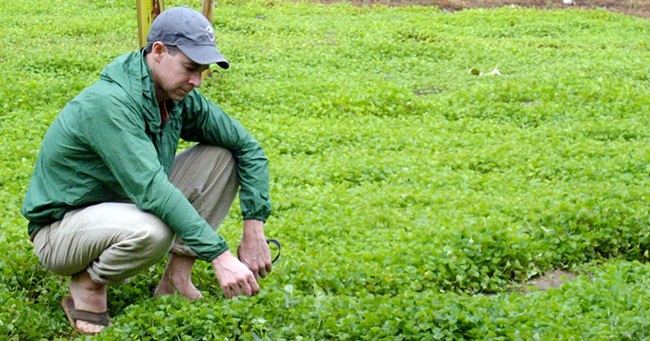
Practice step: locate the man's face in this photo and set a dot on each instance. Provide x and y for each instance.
(176, 75)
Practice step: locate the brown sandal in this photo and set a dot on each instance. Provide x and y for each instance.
(74, 315)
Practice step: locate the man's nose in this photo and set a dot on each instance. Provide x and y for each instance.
(195, 80)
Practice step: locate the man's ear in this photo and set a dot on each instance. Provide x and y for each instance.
(157, 50)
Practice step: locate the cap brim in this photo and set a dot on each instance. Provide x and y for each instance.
(204, 55)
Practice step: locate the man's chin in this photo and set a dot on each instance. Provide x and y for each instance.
(178, 96)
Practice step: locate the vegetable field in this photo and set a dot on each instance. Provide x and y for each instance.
(414, 199)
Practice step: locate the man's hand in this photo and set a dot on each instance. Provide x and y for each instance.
(235, 278)
(254, 251)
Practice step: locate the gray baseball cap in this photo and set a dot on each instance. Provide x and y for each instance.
(191, 32)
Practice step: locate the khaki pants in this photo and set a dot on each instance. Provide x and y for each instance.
(114, 241)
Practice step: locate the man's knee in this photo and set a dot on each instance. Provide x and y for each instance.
(153, 239)
(202, 162)
(143, 247)
(217, 153)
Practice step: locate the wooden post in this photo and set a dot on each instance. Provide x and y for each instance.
(148, 10)
(208, 6)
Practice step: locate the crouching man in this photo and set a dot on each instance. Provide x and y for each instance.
(109, 197)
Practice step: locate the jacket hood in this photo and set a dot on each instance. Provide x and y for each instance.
(131, 73)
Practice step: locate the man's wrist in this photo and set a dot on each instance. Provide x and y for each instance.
(253, 228)
(217, 261)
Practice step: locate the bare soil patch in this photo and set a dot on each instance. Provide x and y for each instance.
(638, 8)
(553, 279)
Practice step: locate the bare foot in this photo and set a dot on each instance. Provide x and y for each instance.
(178, 278)
(89, 296)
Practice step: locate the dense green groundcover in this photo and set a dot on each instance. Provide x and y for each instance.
(412, 197)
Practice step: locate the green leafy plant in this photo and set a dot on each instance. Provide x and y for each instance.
(412, 197)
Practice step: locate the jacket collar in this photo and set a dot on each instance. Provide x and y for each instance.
(133, 74)
(151, 111)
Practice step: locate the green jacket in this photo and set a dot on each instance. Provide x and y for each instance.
(108, 144)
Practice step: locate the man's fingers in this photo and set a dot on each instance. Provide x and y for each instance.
(247, 286)
(252, 285)
(235, 277)
(262, 271)
(255, 288)
(246, 289)
(235, 290)
(253, 269)
(226, 291)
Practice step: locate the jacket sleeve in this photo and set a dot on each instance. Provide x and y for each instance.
(119, 137)
(204, 121)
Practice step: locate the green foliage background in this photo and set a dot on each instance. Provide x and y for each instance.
(412, 198)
